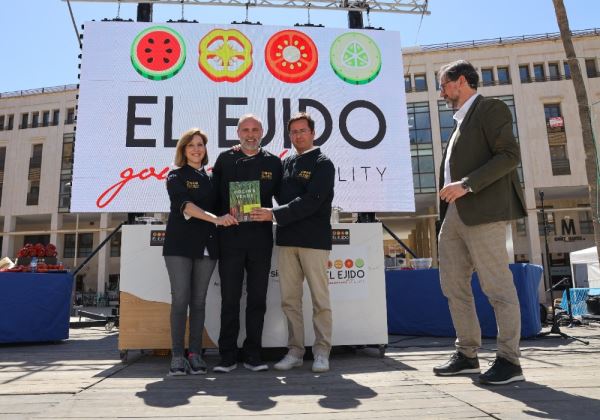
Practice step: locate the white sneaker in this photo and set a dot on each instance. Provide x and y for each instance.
(288, 362)
(321, 363)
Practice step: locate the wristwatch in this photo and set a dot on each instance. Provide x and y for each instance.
(465, 185)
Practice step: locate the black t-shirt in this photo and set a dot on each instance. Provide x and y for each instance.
(303, 217)
(189, 238)
(236, 166)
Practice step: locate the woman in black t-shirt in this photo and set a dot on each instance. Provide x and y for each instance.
(190, 248)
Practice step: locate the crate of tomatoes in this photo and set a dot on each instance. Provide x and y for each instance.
(44, 255)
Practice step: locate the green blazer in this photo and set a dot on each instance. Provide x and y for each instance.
(486, 154)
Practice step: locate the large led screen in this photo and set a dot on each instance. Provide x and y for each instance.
(143, 84)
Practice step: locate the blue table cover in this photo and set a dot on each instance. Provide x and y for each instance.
(579, 296)
(34, 307)
(416, 305)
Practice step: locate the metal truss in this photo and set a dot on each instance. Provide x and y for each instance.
(371, 6)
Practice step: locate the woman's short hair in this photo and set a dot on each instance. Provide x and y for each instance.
(186, 138)
(458, 68)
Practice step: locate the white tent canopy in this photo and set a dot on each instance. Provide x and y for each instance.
(585, 270)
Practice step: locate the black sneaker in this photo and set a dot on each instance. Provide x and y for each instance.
(502, 372)
(459, 364)
(255, 364)
(179, 366)
(197, 365)
(225, 365)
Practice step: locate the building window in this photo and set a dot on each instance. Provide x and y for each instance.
(503, 76)
(557, 140)
(70, 116)
(437, 81)
(64, 194)
(35, 120)
(24, 120)
(11, 121)
(538, 73)
(509, 100)
(521, 227)
(420, 82)
(55, 116)
(85, 242)
(46, 118)
(1, 122)
(553, 71)
(407, 83)
(590, 67)
(113, 282)
(2, 161)
(421, 147)
(66, 174)
(33, 193)
(35, 166)
(115, 245)
(446, 123)
(524, 73)
(487, 77)
(567, 70)
(586, 225)
(36, 239)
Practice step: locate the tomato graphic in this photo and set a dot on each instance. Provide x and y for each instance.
(329, 264)
(158, 53)
(291, 56)
(338, 264)
(225, 55)
(348, 263)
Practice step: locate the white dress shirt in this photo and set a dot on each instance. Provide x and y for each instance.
(459, 116)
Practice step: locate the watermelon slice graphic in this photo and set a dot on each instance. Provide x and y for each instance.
(158, 53)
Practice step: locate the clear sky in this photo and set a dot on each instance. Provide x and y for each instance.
(39, 48)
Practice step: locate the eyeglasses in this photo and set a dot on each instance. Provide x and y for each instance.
(298, 132)
(443, 85)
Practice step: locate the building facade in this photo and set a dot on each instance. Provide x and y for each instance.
(37, 133)
(529, 73)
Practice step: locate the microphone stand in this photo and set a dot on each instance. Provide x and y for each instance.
(555, 329)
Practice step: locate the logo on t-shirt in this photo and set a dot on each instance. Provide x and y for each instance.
(192, 185)
(304, 174)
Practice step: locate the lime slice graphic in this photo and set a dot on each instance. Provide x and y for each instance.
(355, 58)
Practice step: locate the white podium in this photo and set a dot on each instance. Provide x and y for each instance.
(356, 281)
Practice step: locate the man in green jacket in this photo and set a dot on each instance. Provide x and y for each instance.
(479, 193)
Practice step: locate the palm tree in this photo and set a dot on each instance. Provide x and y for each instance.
(591, 158)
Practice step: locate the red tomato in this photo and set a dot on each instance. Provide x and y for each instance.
(291, 56)
(348, 263)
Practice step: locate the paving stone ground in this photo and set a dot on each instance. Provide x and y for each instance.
(83, 378)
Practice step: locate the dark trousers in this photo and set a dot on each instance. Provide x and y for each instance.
(232, 263)
(189, 279)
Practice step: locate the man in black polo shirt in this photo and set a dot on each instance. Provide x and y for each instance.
(247, 247)
(304, 240)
